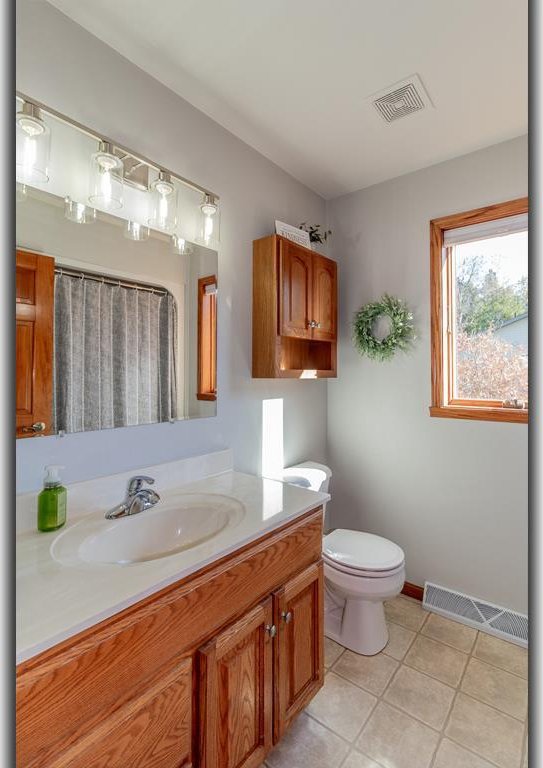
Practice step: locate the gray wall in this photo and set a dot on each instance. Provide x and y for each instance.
(452, 493)
(63, 66)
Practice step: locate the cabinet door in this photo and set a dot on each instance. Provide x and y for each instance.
(153, 730)
(295, 290)
(324, 298)
(236, 669)
(299, 661)
(34, 280)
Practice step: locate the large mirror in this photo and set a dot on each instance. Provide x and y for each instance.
(116, 316)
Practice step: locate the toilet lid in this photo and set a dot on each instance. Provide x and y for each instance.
(361, 551)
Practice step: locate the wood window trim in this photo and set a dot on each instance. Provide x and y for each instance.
(461, 409)
(207, 341)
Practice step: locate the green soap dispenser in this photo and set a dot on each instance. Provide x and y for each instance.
(52, 500)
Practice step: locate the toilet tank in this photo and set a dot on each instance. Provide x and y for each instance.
(310, 475)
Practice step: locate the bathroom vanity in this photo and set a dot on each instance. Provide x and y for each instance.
(208, 670)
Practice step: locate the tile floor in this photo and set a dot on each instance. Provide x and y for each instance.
(440, 695)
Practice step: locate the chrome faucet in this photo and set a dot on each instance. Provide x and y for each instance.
(137, 499)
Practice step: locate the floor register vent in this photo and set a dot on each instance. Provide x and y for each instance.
(480, 614)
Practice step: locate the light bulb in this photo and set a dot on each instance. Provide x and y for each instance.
(210, 221)
(106, 178)
(163, 203)
(32, 146)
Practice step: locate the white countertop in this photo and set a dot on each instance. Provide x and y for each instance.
(56, 601)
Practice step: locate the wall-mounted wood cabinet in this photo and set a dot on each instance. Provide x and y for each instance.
(294, 311)
(208, 673)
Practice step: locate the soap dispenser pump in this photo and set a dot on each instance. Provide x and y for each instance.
(52, 500)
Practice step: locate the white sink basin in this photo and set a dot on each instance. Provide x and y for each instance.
(181, 522)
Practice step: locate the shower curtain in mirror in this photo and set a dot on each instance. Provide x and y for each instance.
(115, 355)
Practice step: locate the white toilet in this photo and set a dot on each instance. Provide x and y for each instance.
(361, 570)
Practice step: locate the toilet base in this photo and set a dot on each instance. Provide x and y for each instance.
(359, 626)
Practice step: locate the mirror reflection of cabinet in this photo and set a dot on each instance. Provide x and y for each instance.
(34, 276)
(294, 311)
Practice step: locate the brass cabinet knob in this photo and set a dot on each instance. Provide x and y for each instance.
(286, 616)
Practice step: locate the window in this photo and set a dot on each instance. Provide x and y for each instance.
(207, 338)
(479, 304)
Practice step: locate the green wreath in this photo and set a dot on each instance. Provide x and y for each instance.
(401, 335)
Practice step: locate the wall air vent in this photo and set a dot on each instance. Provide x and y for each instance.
(480, 614)
(401, 99)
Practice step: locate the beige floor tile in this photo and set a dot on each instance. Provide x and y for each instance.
(489, 733)
(370, 672)
(308, 744)
(332, 651)
(342, 706)
(396, 740)
(502, 654)
(421, 696)
(399, 640)
(451, 755)
(438, 660)
(358, 760)
(450, 632)
(496, 687)
(405, 611)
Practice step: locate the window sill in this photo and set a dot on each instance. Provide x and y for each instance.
(514, 415)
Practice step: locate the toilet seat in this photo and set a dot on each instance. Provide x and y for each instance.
(362, 554)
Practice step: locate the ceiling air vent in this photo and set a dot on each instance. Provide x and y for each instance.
(401, 99)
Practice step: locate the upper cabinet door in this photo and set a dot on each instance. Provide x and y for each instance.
(324, 298)
(299, 670)
(295, 290)
(236, 692)
(34, 281)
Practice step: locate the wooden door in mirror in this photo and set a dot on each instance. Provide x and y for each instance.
(34, 307)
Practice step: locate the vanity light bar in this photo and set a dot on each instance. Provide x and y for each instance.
(101, 137)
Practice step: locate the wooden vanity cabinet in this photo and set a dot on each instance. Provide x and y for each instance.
(152, 729)
(294, 311)
(236, 689)
(299, 661)
(207, 673)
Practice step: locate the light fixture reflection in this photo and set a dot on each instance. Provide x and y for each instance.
(21, 192)
(106, 178)
(32, 144)
(180, 246)
(209, 221)
(133, 230)
(163, 203)
(77, 212)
